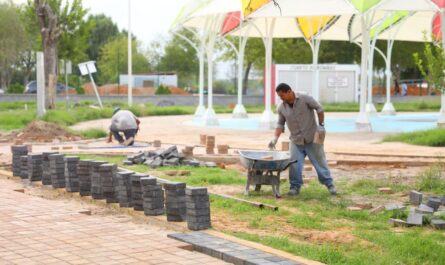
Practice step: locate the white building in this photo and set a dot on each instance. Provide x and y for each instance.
(151, 80)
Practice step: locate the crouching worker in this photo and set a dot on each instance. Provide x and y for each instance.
(123, 121)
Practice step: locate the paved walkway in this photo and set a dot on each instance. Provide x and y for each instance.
(34, 230)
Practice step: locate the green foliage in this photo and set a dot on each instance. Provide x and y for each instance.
(16, 88)
(431, 179)
(103, 31)
(432, 137)
(113, 60)
(178, 56)
(432, 67)
(93, 133)
(12, 41)
(15, 119)
(162, 90)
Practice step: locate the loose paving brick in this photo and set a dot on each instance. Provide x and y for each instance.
(53, 232)
(123, 188)
(424, 209)
(46, 174)
(96, 185)
(229, 251)
(434, 202)
(153, 196)
(438, 224)
(415, 197)
(415, 219)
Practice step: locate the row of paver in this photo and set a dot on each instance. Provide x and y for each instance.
(105, 181)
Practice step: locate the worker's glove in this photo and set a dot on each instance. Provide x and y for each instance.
(321, 133)
(272, 143)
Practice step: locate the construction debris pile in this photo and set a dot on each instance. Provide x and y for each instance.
(421, 212)
(164, 157)
(108, 182)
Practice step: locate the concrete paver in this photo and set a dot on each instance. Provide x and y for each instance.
(40, 231)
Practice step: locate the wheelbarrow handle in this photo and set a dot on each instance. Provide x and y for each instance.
(290, 163)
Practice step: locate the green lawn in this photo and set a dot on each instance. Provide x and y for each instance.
(432, 137)
(318, 226)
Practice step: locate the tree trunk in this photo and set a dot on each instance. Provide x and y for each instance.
(246, 77)
(50, 36)
(50, 59)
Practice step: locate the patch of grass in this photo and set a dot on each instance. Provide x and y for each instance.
(93, 133)
(15, 119)
(203, 176)
(431, 180)
(433, 137)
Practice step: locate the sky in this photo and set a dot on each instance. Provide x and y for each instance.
(151, 19)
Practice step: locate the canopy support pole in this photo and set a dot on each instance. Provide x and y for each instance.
(240, 112)
(388, 108)
(315, 46)
(268, 119)
(362, 123)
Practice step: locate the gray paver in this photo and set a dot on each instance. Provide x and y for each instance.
(415, 219)
(415, 197)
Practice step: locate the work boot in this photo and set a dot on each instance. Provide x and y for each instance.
(129, 141)
(332, 190)
(293, 192)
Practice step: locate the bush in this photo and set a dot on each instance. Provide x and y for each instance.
(16, 88)
(162, 90)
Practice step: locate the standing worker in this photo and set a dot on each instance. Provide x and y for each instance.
(306, 137)
(123, 121)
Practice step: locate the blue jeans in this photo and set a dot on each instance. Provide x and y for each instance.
(316, 155)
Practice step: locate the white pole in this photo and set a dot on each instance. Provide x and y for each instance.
(240, 111)
(130, 63)
(388, 108)
(441, 120)
(362, 122)
(40, 85)
(315, 74)
(94, 87)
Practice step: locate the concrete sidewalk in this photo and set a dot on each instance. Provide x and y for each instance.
(34, 230)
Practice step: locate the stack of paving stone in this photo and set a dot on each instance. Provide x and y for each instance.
(210, 144)
(84, 174)
(123, 188)
(202, 139)
(24, 167)
(96, 185)
(223, 149)
(152, 196)
(17, 152)
(136, 191)
(107, 176)
(175, 201)
(198, 208)
(46, 176)
(57, 168)
(35, 170)
(71, 175)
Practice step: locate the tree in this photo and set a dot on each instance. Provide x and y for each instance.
(58, 23)
(12, 41)
(432, 66)
(179, 56)
(113, 60)
(103, 30)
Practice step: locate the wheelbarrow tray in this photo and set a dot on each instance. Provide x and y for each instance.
(264, 160)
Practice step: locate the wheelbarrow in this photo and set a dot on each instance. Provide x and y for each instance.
(264, 168)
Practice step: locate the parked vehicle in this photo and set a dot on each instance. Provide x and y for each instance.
(31, 88)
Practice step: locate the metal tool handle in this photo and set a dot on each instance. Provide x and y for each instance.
(290, 163)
